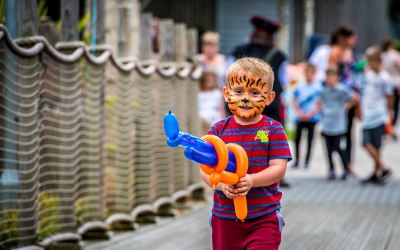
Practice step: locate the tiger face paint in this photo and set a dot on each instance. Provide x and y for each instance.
(247, 96)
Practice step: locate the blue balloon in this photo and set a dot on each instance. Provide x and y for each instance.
(197, 150)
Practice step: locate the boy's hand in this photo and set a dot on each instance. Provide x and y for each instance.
(244, 185)
(229, 191)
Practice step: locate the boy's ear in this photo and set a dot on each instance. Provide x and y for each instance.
(270, 98)
(225, 94)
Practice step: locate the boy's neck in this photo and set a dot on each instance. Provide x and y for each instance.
(243, 121)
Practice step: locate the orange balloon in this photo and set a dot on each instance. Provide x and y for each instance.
(218, 173)
(222, 152)
(242, 165)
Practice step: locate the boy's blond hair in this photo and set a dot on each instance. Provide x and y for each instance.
(373, 54)
(254, 66)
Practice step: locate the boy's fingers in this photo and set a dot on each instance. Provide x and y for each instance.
(242, 184)
(242, 190)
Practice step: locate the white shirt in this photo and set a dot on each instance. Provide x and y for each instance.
(319, 58)
(210, 105)
(391, 63)
(373, 103)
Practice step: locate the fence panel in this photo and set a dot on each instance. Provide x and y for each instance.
(82, 141)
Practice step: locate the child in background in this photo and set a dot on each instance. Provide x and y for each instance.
(333, 101)
(248, 90)
(210, 100)
(376, 101)
(304, 102)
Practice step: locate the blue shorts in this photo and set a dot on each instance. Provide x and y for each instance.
(374, 136)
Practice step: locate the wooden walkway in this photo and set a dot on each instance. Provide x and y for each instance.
(319, 214)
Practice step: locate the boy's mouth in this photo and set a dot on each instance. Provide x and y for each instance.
(246, 107)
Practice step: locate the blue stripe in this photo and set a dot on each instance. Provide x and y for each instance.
(265, 213)
(212, 131)
(258, 142)
(262, 195)
(281, 157)
(257, 164)
(226, 133)
(220, 205)
(264, 205)
(248, 217)
(265, 189)
(258, 158)
(224, 211)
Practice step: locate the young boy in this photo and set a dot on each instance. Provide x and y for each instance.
(334, 100)
(304, 103)
(248, 90)
(376, 94)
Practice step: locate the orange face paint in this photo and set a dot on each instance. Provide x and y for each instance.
(246, 95)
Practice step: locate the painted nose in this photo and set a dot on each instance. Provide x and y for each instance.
(245, 100)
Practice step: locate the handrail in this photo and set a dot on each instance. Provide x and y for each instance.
(147, 68)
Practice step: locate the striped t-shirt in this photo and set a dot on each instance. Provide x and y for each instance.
(263, 141)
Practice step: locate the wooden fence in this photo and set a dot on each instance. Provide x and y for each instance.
(81, 140)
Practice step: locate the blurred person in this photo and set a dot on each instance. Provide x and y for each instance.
(376, 100)
(319, 58)
(341, 56)
(262, 46)
(307, 115)
(391, 64)
(210, 100)
(210, 58)
(333, 101)
(248, 91)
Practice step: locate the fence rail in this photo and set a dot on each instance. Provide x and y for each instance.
(82, 148)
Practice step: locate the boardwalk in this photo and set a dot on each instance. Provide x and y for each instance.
(319, 214)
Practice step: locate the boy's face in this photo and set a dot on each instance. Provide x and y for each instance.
(331, 78)
(309, 74)
(246, 95)
(374, 64)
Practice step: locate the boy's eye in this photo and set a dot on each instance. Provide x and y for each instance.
(238, 91)
(255, 93)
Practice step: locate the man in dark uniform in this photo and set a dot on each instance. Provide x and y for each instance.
(262, 46)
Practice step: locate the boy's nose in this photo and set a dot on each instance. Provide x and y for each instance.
(245, 100)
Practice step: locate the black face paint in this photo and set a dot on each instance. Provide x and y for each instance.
(245, 100)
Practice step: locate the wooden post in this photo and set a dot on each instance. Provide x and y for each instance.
(124, 14)
(101, 15)
(167, 45)
(69, 20)
(27, 18)
(146, 50)
(192, 43)
(180, 42)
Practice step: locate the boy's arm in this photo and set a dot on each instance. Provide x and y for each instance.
(274, 173)
(296, 107)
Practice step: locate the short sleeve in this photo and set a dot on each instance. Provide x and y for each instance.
(279, 146)
(213, 130)
(387, 83)
(347, 93)
(296, 92)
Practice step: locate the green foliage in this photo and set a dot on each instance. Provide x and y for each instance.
(2, 11)
(49, 215)
(83, 209)
(83, 22)
(397, 45)
(42, 9)
(8, 227)
(81, 28)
